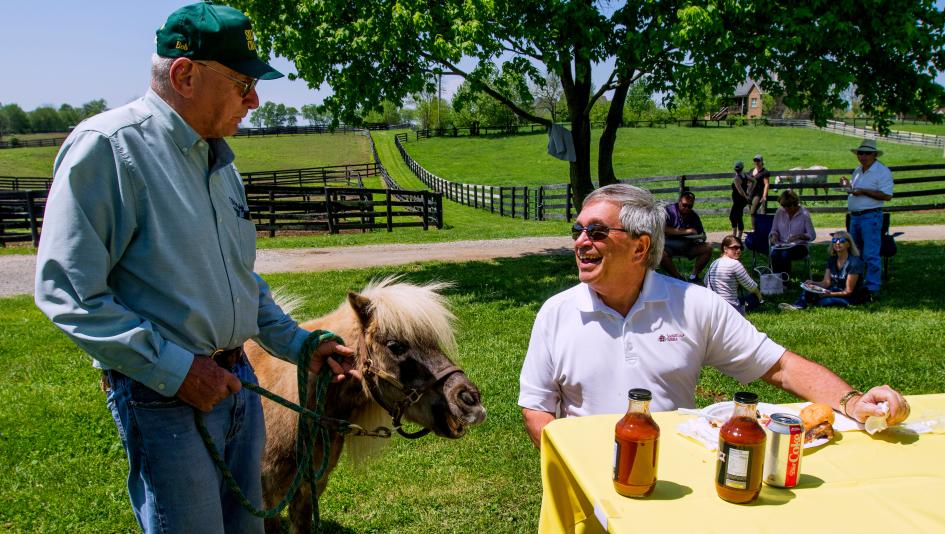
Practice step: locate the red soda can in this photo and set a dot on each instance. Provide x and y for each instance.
(785, 449)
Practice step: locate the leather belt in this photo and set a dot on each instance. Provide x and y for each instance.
(226, 358)
(864, 212)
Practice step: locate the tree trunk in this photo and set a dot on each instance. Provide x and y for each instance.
(577, 90)
(608, 138)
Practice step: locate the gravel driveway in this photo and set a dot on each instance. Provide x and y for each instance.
(16, 271)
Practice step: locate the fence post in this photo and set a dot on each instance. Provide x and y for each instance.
(514, 190)
(272, 213)
(682, 184)
(501, 200)
(390, 215)
(525, 203)
(540, 203)
(328, 212)
(31, 210)
(425, 197)
(491, 199)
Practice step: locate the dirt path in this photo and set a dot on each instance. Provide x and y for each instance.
(16, 271)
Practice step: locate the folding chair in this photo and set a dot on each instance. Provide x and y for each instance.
(757, 241)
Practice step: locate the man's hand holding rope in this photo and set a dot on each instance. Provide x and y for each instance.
(339, 357)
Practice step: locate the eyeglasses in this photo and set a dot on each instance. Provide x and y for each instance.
(838, 240)
(864, 153)
(595, 232)
(247, 86)
(687, 206)
(790, 205)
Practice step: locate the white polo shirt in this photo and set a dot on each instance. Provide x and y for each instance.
(583, 356)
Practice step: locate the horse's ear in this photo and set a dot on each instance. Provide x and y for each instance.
(362, 307)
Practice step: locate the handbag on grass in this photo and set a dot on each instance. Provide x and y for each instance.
(771, 283)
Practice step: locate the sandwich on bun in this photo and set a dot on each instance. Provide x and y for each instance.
(818, 422)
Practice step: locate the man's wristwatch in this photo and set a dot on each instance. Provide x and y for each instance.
(846, 398)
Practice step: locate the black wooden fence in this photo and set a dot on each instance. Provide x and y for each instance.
(338, 209)
(337, 175)
(21, 216)
(818, 190)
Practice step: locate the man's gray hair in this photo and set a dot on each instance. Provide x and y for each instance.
(640, 214)
(161, 75)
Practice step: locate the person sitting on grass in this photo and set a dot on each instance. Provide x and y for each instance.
(727, 273)
(685, 236)
(843, 279)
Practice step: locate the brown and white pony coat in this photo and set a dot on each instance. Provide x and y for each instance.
(402, 330)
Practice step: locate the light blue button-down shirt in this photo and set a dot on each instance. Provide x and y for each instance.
(146, 256)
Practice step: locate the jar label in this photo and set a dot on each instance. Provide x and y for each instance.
(735, 466)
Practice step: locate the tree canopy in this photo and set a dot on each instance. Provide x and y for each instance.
(375, 50)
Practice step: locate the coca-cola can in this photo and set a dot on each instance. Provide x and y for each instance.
(785, 449)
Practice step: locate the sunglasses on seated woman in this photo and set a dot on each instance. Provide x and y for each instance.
(595, 232)
(838, 240)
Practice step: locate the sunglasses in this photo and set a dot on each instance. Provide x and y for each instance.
(838, 240)
(864, 153)
(595, 232)
(735, 247)
(246, 86)
(790, 205)
(687, 206)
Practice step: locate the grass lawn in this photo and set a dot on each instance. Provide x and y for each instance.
(931, 129)
(64, 469)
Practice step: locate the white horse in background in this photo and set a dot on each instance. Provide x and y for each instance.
(805, 180)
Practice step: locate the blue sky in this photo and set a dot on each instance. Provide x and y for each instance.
(71, 51)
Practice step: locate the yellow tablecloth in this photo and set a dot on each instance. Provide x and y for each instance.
(894, 480)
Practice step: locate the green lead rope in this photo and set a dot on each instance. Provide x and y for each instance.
(312, 426)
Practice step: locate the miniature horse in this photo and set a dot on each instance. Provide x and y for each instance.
(403, 335)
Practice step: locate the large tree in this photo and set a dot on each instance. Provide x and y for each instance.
(372, 50)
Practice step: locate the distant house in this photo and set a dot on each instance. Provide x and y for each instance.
(746, 101)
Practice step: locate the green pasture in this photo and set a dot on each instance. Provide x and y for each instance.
(931, 129)
(263, 153)
(641, 152)
(63, 467)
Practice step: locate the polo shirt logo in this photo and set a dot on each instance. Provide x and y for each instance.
(670, 337)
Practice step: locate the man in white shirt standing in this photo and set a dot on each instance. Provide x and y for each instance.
(870, 188)
(626, 326)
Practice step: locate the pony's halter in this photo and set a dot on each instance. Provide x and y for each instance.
(411, 395)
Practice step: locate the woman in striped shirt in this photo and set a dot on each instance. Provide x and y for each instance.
(727, 273)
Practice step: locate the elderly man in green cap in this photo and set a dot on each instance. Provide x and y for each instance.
(869, 189)
(146, 263)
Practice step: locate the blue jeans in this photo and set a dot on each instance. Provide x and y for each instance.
(172, 481)
(867, 231)
(781, 258)
(806, 298)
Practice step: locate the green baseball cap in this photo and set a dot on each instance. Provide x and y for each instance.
(214, 33)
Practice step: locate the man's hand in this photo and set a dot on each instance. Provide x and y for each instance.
(866, 405)
(206, 384)
(341, 367)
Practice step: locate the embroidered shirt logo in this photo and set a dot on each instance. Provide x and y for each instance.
(670, 337)
(241, 211)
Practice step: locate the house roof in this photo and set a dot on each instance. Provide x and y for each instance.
(745, 87)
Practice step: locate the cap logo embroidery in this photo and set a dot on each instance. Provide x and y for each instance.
(250, 42)
(181, 46)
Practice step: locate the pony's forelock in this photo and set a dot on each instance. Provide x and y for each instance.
(416, 312)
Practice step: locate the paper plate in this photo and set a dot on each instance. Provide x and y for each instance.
(723, 410)
(813, 288)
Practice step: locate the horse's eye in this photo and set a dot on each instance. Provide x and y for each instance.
(397, 348)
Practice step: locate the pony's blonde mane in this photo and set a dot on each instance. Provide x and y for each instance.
(417, 313)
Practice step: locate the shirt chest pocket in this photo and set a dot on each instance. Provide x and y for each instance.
(246, 241)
